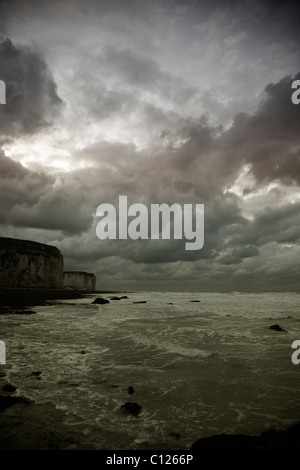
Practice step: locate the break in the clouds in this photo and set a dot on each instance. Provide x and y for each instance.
(164, 101)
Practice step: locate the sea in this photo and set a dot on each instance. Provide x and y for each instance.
(198, 364)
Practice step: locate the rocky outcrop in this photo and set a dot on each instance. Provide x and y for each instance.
(276, 328)
(272, 439)
(79, 280)
(131, 407)
(25, 263)
(100, 300)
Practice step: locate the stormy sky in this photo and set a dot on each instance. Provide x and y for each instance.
(165, 102)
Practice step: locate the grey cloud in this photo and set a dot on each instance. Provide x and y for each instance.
(37, 200)
(269, 139)
(245, 251)
(129, 68)
(51, 214)
(18, 185)
(31, 94)
(227, 259)
(114, 70)
(279, 224)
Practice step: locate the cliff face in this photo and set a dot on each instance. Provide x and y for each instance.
(25, 263)
(79, 280)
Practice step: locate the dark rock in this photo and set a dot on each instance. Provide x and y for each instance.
(141, 302)
(7, 401)
(82, 352)
(9, 388)
(194, 300)
(170, 303)
(35, 374)
(124, 297)
(100, 300)
(115, 298)
(132, 408)
(176, 435)
(277, 328)
(69, 384)
(115, 386)
(130, 390)
(268, 440)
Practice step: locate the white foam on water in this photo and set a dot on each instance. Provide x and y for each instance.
(186, 361)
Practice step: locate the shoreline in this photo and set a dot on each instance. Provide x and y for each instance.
(19, 298)
(28, 297)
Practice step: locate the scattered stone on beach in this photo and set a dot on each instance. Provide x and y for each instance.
(9, 388)
(132, 408)
(170, 303)
(115, 298)
(176, 435)
(140, 302)
(100, 300)
(115, 386)
(124, 297)
(194, 300)
(130, 390)
(82, 352)
(277, 328)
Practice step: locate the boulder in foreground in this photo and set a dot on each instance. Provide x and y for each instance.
(100, 300)
(132, 408)
(268, 440)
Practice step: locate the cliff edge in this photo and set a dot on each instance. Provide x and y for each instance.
(25, 263)
(79, 280)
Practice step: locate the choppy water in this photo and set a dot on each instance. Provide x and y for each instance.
(197, 368)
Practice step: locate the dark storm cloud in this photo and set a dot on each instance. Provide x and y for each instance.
(275, 224)
(52, 213)
(142, 73)
(245, 252)
(121, 169)
(269, 140)
(37, 200)
(227, 259)
(193, 171)
(31, 94)
(146, 87)
(18, 185)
